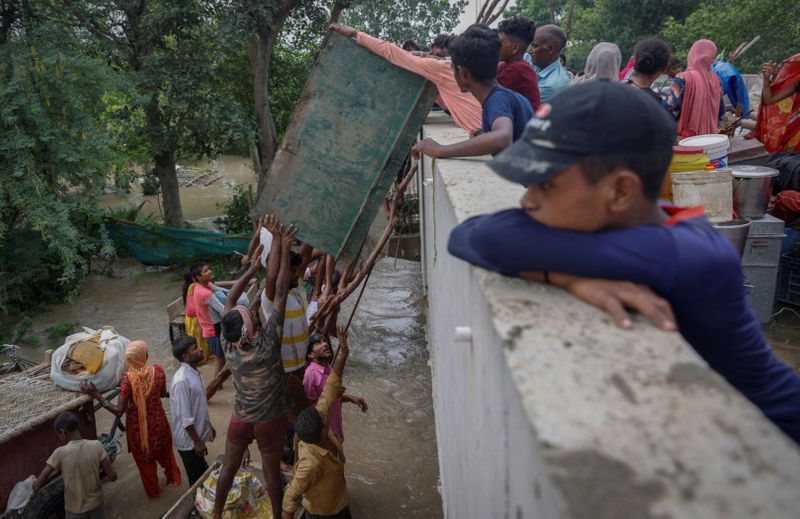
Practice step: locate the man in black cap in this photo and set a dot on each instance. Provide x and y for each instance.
(593, 160)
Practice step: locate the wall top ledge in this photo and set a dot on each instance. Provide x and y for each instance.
(632, 423)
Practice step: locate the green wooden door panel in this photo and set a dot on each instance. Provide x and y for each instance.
(357, 118)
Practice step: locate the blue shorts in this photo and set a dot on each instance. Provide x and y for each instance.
(216, 346)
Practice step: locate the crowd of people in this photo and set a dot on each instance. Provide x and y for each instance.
(592, 152)
(591, 149)
(287, 383)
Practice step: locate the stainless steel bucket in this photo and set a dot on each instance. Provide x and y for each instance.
(736, 232)
(752, 189)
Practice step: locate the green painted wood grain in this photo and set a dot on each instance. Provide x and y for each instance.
(356, 120)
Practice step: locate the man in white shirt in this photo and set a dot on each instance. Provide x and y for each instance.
(191, 428)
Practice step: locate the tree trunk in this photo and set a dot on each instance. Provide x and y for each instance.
(552, 10)
(569, 17)
(170, 194)
(164, 163)
(338, 7)
(259, 51)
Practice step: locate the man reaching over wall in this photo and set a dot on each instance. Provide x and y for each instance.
(475, 55)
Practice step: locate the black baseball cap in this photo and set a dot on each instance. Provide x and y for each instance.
(593, 118)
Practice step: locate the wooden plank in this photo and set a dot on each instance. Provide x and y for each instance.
(199, 177)
(356, 121)
(212, 180)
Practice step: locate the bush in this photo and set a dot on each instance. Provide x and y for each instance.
(237, 211)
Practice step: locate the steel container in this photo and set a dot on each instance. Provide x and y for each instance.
(736, 232)
(752, 189)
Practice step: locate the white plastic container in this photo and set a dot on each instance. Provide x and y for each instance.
(717, 147)
(711, 189)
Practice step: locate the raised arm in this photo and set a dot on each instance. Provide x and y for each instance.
(428, 68)
(319, 278)
(307, 254)
(253, 244)
(284, 275)
(242, 283)
(767, 95)
(270, 222)
(344, 351)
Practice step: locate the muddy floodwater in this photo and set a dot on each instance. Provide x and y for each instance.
(392, 468)
(198, 201)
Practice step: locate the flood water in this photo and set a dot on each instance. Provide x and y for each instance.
(392, 466)
(198, 201)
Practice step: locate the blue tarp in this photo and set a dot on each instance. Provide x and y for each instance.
(733, 85)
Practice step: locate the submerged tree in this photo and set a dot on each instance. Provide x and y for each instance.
(175, 105)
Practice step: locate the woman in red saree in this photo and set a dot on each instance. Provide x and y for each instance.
(141, 389)
(778, 124)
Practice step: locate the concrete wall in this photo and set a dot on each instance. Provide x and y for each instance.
(545, 409)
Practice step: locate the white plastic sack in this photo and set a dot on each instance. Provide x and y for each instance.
(20, 494)
(107, 377)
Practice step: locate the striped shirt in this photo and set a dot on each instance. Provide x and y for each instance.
(294, 344)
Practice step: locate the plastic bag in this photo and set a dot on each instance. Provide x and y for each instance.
(222, 296)
(109, 374)
(20, 494)
(247, 498)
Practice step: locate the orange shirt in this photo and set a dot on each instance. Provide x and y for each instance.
(465, 109)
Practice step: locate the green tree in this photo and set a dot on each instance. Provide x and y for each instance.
(176, 104)
(397, 21)
(623, 22)
(56, 158)
(731, 23)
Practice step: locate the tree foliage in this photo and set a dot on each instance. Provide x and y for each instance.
(56, 157)
(175, 103)
(681, 22)
(731, 23)
(401, 20)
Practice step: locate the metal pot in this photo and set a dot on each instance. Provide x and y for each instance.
(752, 189)
(736, 232)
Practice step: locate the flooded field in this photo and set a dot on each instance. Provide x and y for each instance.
(198, 201)
(392, 469)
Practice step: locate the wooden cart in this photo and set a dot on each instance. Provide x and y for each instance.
(29, 404)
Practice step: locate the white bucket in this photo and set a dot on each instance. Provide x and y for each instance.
(717, 147)
(711, 189)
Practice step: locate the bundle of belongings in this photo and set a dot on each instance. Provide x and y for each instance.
(96, 356)
(247, 498)
(84, 356)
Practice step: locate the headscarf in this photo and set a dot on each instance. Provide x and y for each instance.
(700, 104)
(248, 329)
(142, 380)
(603, 63)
